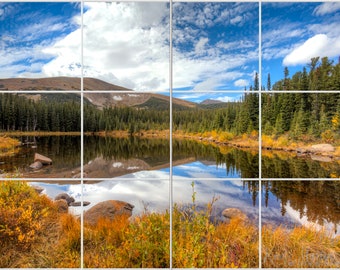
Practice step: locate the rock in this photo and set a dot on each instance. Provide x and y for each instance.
(85, 203)
(44, 160)
(64, 196)
(38, 189)
(302, 151)
(61, 205)
(322, 148)
(321, 158)
(107, 209)
(231, 213)
(36, 165)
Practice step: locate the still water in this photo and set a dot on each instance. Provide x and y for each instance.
(137, 158)
(154, 195)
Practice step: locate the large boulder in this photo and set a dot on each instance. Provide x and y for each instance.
(232, 213)
(44, 160)
(107, 209)
(322, 148)
(64, 196)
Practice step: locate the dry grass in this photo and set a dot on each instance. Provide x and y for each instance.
(299, 248)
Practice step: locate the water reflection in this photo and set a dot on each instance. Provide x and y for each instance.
(287, 165)
(308, 203)
(153, 195)
(63, 150)
(108, 157)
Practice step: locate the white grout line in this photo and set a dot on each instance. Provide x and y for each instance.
(260, 136)
(170, 142)
(82, 137)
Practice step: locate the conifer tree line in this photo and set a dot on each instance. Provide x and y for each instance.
(235, 117)
(18, 113)
(315, 114)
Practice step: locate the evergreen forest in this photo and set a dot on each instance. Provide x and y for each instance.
(316, 115)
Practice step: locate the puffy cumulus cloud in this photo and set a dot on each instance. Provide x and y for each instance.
(318, 45)
(226, 99)
(326, 8)
(241, 83)
(130, 41)
(66, 57)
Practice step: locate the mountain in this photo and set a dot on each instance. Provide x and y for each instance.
(100, 100)
(57, 83)
(210, 101)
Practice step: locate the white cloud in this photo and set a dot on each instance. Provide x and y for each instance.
(67, 58)
(318, 45)
(236, 20)
(226, 99)
(326, 8)
(201, 45)
(1, 11)
(128, 41)
(241, 83)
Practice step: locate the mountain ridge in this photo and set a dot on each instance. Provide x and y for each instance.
(128, 97)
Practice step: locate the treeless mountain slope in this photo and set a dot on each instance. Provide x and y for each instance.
(57, 83)
(95, 84)
(131, 98)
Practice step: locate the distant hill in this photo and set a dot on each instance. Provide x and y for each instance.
(100, 100)
(57, 83)
(210, 101)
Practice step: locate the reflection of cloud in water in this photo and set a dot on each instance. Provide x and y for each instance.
(199, 170)
(155, 194)
(195, 169)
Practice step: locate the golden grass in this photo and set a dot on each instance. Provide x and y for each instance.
(34, 235)
(299, 248)
(8, 146)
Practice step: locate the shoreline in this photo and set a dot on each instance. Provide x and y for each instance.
(218, 139)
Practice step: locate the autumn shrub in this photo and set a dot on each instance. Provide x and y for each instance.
(32, 232)
(226, 136)
(22, 210)
(8, 146)
(327, 136)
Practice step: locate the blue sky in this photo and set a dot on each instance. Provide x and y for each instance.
(293, 33)
(34, 35)
(215, 45)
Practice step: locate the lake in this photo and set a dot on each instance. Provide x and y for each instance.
(141, 158)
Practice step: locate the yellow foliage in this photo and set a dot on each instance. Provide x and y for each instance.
(226, 136)
(336, 122)
(8, 146)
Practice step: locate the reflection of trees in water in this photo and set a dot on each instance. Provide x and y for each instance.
(318, 200)
(64, 151)
(157, 151)
(294, 167)
(253, 189)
